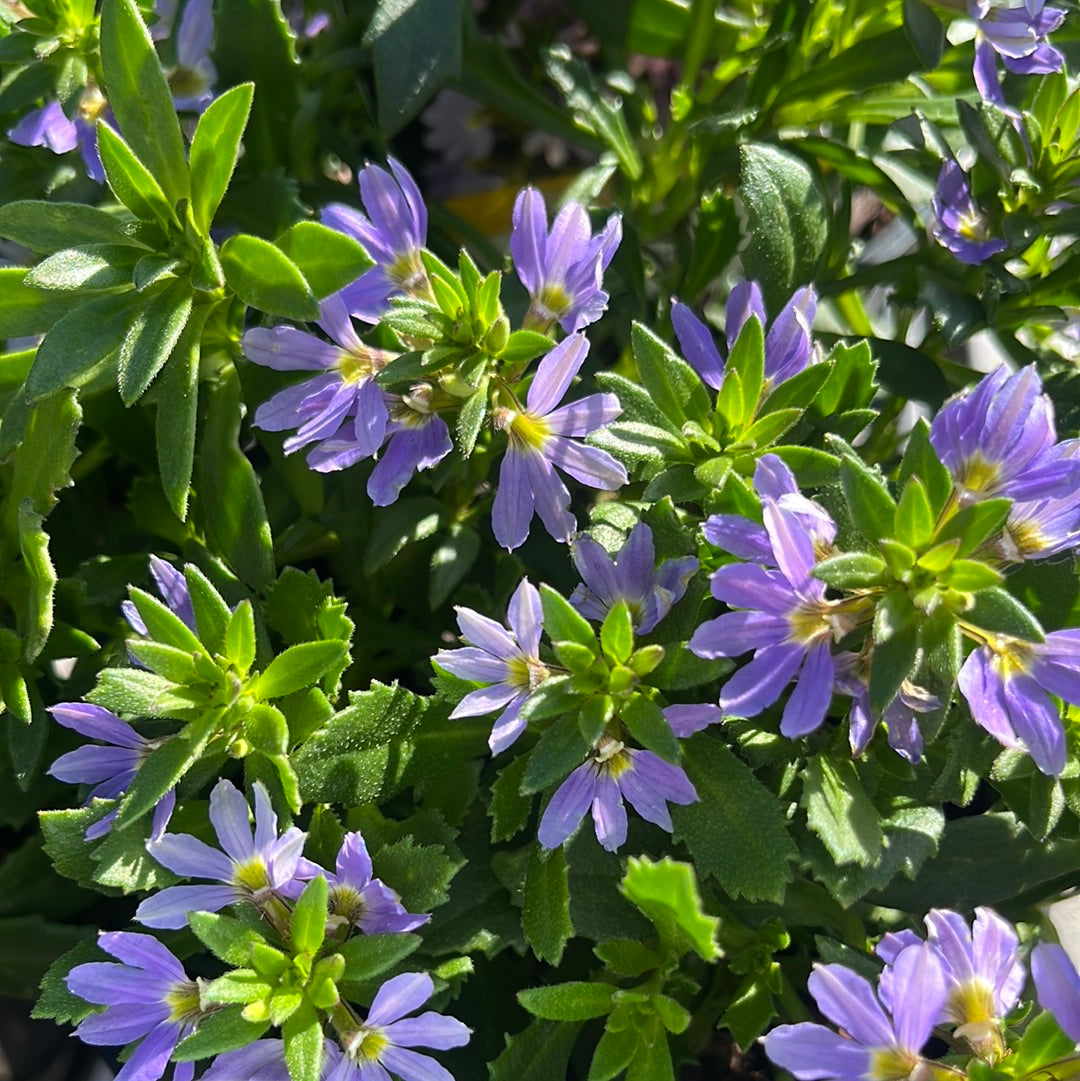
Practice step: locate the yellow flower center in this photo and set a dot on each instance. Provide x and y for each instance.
(359, 365)
(524, 430)
(252, 876)
(367, 1045)
(408, 274)
(979, 475)
(526, 673)
(345, 902)
(891, 1064)
(183, 1002)
(809, 623)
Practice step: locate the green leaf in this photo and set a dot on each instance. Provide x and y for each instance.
(839, 811)
(303, 1035)
(421, 874)
(416, 47)
(521, 346)
(78, 343)
(212, 614)
(540, 1052)
(813, 468)
(130, 692)
(369, 956)
(969, 576)
(139, 95)
(162, 623)
(163, 768)
(264, 277)
(667, 892)
(896, 644)
(509, 809)
(151, 338)
(974, 524)
(176, 417)
(1043, 1042)
(562, 622)
(215, 148)
(647, 724)
(851, 570)
(226, 938)
(307, 928)
(131, 182)
(616, 1047)
(769, 428)
(997, 610)
(786, 217)
(57, 1003)
(25, 311)
(300, 666)
(450, 562)
(872, 508)
(747, 360)
(921, 460)
(575, 1001)
(914, 516)
(750, 1010)
(92, 266)
(471, 418)
(224, 1030)
(408, 521)
(545, 911)
(48, 227)
(653, 1060)
(230, 497)
(328, 260)
(617, 633)
(737, 831)
(672, 384)
(239, 641)
(174, 664)
(559, 750)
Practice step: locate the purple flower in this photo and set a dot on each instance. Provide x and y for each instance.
(355, 898)
(193, 76)
(508, 661)
(901, 725)
(997, 439)
(148, 997)
(540, 437)
(982, 966)
(384, 1040)
(959, 224)
(110, 768)
(1017, 33)
(785, 618)
(563, 270)
(251, 868)
(393, 234)
(685, 720)
(173, 589)
(789, 345)
(649, 591)
(1057, 984)
(1044, 527)
(342, 410)
(1008, 683)
(773, 481)
(263, 1060)
(874, 1046)
(418, 439)
(614, 772)
(49, 126)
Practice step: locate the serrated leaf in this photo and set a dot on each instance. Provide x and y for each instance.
(370, 955)
(737, 830)
(839, 811)
(545, 912)
(872, 507)
(226, 938)
(667, 892)
(223, 1030)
